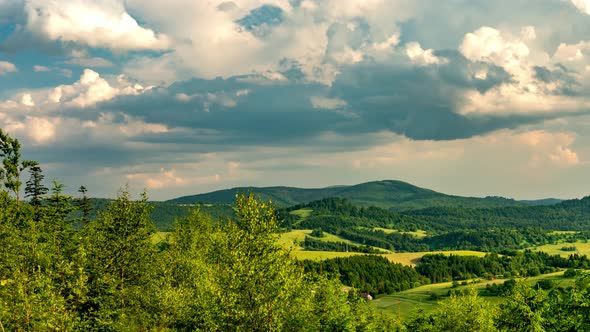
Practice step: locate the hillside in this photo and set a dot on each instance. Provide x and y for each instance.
(387, 194)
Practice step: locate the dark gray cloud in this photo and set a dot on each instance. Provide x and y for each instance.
(565, 78)
(420, 102)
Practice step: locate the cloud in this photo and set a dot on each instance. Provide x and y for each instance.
(104, 24)
(582, 5)
(7, 67)
(83, 59)
(420, 56)
(327, 103)
(38, 68)
(540, 83)
(250, 91)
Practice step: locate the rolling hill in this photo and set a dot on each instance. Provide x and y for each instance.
(387, 194)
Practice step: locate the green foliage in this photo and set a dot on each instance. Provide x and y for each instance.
(368, 274)
(83, 204)
(438, 267)
(120, 257)
(12, 165)
(523, 310)
(465, 312)
(311, 243)
(34, 188)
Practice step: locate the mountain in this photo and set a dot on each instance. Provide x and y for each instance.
(545, 201)
(388, 194)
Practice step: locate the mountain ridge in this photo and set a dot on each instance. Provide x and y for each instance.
(390, 194)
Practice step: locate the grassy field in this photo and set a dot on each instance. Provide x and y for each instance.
(291, 240)
(405, 304)
(411, 258)
(302, 213)
(419, 233)
(555, 249)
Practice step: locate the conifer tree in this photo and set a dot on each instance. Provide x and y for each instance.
(34, 188)
(84, 204)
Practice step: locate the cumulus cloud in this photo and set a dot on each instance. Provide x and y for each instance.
(582, 5)
(420, 56)
(382, 87)
(7, 67)
(104, 24)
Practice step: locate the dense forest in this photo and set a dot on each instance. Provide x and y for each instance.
(450, 228)
(68, 265)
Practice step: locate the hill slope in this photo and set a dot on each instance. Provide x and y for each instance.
(388, 194)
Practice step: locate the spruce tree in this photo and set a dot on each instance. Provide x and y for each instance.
(84, 204)
(34, 188)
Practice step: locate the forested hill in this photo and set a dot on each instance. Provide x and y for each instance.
(567, 215)
(165, 214)
(387, 194)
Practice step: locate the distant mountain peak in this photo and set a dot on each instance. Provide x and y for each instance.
(389, 194)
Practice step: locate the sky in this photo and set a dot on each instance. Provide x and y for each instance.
(467, 97)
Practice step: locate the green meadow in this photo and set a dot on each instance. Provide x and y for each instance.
(426, 298)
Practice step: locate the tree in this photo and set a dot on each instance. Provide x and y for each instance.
(34, 189)
(84, 204)
(523, 310)
(461, 312)
(121, 256)
(12, 164)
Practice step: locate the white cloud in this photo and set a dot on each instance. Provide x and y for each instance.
(571, 52)
(32, 113)
(582, 5)
(92, 89)
(93, 23)
(387, 44)
(420, 56)
(135, 127)
(211, 40)
(525, 93)
(490, 45)
(327, 103)
(27, 100)
(7, 67)
(38, 68)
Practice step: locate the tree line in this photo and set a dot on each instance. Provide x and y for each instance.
(63, 270)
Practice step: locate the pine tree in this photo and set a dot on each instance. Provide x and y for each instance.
(84, 204)
(34, 189)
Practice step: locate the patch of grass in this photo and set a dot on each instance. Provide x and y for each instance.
(424, 298)
(419, 233)
(582, 248)
(412, 258)
(322, 255)
(563, 232)
(302, 213)
(291, 239)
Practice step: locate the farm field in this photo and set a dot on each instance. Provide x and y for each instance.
(291, 240)
(419, 233)
(583, 248)
(424, 298)
(411, 258)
